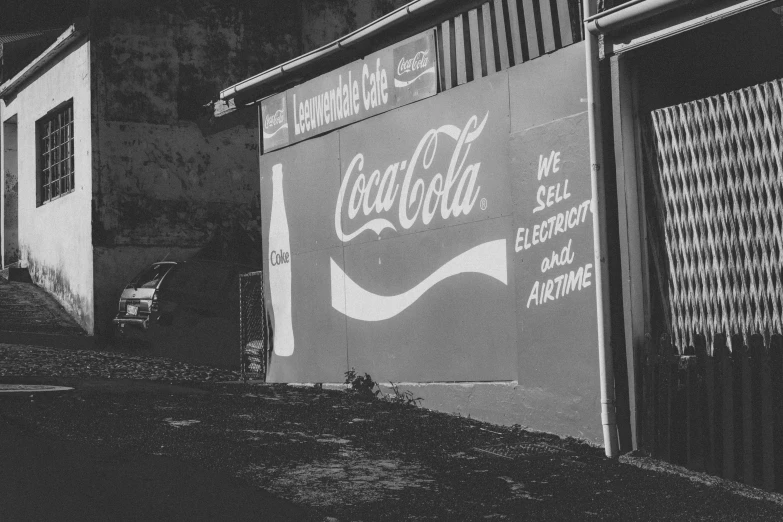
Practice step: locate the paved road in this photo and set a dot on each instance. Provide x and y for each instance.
(44, 479)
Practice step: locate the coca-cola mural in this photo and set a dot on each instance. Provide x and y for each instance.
(446, 240)
(417, 241)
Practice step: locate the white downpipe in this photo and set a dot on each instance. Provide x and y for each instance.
(596, 169)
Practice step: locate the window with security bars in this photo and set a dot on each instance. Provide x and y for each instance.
(55, 138)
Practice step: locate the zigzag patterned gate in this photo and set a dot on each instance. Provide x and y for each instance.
(713, 397)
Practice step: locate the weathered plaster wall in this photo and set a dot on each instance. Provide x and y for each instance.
(506, 403)
(165, 185)
(323, 21)
(167, 174)
(55, 239)
(9, 228)
(160, 62)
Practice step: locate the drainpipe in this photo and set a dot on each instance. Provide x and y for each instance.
(596, 172)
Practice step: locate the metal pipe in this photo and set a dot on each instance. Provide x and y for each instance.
(606, 370)
(626, 14)
(605, 12)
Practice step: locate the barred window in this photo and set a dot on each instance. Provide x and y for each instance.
(55, 137)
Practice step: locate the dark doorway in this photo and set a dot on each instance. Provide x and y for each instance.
(10, 179)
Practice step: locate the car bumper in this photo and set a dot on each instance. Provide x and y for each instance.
(123, 321)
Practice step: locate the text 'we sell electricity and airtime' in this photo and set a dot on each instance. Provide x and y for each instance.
(547, 196)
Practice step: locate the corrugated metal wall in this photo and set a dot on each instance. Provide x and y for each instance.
(503, 33)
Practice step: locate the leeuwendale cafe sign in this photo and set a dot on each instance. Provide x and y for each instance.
(395, 76)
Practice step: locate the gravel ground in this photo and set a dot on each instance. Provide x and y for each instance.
(56, 362)
(346, 457)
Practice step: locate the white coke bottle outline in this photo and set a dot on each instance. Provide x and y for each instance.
(280, 267)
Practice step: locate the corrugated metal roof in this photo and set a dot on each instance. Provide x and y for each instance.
(15, 37)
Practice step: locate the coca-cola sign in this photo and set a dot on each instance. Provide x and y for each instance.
(379, 82)
(416, 66)
(442, 174)
(415, 74)
(274, 123)
(410, 186)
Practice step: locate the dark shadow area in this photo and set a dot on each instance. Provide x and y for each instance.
(738, 52)
(196, 316)
(45, 479)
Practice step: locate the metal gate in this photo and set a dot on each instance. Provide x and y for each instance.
(712, 385)
(254, 328)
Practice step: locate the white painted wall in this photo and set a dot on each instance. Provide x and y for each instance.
(55, 239)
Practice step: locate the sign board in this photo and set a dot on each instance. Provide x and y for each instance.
(446, 240)
(555, 271)
(274, 122)
(415, 69)
(553, 240)
(392, 77)
(404, 253)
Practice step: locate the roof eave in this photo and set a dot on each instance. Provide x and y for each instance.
(265, 83)
(63, 41)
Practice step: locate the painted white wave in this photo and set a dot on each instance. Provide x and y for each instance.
(267, 135)
(355, 302)
(400, 83)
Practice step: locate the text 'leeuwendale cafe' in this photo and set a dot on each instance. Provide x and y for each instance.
(431, 235)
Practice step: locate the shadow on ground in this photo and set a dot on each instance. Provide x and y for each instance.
(45, 479)
(335, 454)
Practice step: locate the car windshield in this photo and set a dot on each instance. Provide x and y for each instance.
(150, 277)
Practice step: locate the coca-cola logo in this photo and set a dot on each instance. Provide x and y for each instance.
(274, 125)
(449, 195)
(409, 65)
(274, 119)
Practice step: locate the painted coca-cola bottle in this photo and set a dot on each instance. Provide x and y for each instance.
(280, 267)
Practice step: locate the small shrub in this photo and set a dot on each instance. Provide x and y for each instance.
(365, 386)
(398, 397)
(361, 384)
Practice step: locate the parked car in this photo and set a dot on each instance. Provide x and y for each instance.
(187, 310)
(140, 298)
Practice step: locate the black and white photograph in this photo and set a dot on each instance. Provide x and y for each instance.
(391, 260)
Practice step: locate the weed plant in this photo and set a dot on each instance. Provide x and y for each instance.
(365, 386)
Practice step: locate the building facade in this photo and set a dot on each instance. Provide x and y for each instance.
(118, 162)
(693, 94)
(426, 212)
(460, 236)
